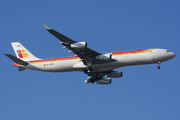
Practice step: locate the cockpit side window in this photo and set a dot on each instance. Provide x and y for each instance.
(168, 51)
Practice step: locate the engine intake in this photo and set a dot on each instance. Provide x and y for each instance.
(79, 45)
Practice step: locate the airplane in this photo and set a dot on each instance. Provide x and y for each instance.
(96, 65)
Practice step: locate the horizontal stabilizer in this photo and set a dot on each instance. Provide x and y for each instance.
(16, 60)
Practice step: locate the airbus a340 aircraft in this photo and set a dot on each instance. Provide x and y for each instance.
(96, 65)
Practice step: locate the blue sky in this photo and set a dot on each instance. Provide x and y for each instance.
(144, 92)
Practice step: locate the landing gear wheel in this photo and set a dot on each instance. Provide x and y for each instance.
(88, 70)
(159, 65)
(88, 73)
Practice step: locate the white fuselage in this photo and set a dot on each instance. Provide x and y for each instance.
(127, 58)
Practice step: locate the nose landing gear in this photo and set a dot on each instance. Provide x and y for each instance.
(158, 67)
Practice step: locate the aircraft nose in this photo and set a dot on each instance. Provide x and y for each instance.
(173, 54)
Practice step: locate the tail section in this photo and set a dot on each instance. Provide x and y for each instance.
(22, 53)
(18, 61)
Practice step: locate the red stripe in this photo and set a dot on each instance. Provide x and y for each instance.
(72, 57)
(54, 59)
(132, 51)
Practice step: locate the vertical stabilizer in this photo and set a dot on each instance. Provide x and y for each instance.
(22, 53)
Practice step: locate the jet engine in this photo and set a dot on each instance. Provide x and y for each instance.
(79, 45)
(104, 81)
(115, 74)
(104, 57)
(88, 80)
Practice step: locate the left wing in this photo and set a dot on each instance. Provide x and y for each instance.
(87, 55)
(80, 49)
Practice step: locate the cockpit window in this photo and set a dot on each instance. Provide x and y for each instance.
(168, 51)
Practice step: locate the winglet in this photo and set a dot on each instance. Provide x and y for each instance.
(46, 27)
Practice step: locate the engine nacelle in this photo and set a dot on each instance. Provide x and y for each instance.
(88, 80)
(79, 45)
(115, 74)
(104, 81)
(104, 57)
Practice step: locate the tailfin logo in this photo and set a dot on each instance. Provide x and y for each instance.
(22, 54)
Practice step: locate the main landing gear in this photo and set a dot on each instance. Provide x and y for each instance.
(92, 76)
(158, 67)
(88, 70)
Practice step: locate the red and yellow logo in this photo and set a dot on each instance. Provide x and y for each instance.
(22, 54)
